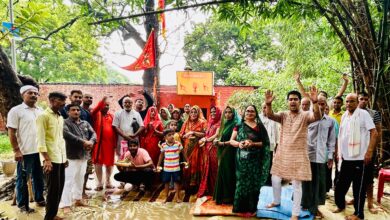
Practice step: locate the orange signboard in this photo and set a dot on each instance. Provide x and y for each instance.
(195, 83)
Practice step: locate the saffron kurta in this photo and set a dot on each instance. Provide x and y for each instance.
(103, 152)
(291, 159)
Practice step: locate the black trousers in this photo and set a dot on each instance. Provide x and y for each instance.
(136, 177)
(55, 184)
(352, 172)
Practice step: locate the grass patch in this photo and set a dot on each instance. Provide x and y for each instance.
(5, 147)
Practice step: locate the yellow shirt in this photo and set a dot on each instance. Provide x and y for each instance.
(336, 116)
(50, 135)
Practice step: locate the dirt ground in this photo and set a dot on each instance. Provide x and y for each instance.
(108, 205)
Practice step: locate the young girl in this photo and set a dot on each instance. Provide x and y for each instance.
(170, 153)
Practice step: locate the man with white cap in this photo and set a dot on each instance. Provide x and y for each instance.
(22, 131)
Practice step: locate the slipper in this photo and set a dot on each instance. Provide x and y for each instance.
(99, 188)
(352, 217)
(272, 205)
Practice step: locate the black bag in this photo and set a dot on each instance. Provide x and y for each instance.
(135, 125)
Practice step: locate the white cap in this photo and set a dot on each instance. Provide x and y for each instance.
(26, 88)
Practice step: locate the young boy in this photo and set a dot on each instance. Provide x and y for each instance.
(170, 153)
(172, 125)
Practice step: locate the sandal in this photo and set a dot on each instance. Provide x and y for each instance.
(99, 188)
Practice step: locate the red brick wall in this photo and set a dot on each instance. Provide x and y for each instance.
(167, 94)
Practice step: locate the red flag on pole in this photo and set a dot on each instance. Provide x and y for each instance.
(161, 6)
(147, 59)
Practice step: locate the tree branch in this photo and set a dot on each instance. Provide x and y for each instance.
(166, 10)
(68, 24)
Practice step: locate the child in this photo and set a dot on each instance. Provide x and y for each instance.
(170, 153)
(172, 124)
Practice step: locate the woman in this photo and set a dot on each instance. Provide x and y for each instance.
(176, 116)
(210, 161)
(225, 185)
(165, 116)
(152, 134)
(191, 132)
(252, 160)
(170, 108)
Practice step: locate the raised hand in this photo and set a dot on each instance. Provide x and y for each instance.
(313, 94)
(345, 77)
(269, 97)
(297, 76)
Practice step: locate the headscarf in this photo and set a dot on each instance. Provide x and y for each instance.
(226, 129)
(217, 119)
(148, 116)
(200, 113)
(168, 115)
(179, 121)
(178, 111)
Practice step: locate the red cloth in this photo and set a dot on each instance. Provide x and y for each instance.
(149, 141)
(192, 175)
(210, 160)
(103, 152)
(147, 59)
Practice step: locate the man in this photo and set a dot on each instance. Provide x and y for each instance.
(138, 167)
(336, 114)
(103, 153)
(79, 138)
(87, 102)
(291, 159)
(305, 103)
(76, 97)
(273, 133)
(357, 139)
(187, 109)
(127, 123)
(321, 142)
(377, 119)
(51, 145)
(139, 102)
(22, 131)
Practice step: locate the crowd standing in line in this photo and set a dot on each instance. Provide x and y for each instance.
(229, 157)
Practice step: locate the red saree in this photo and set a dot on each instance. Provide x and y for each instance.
(149, 141)
(192, 176)
(210, 160)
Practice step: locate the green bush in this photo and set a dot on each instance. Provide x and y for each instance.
(5, 145)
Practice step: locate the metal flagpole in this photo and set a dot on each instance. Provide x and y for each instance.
(13, 50)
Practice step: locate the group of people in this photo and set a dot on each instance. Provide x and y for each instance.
(228, 156)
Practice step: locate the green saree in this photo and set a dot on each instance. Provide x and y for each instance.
(226, 177)
(252, 167)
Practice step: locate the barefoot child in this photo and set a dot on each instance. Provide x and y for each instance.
(170, 154)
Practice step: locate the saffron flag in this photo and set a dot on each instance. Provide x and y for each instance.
(147, 59)
(161, 6)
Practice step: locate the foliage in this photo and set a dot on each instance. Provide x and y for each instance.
(5, 145)
(69, 55)
(218, 46)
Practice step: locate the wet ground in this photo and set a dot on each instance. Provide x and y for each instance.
(108, 205)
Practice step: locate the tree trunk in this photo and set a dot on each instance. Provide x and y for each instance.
(9, 85)
(151, 76)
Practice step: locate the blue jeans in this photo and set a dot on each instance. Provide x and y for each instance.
(33, 169)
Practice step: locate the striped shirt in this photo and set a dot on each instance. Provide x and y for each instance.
(171, 156)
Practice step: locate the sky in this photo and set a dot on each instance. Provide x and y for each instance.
(178, 24)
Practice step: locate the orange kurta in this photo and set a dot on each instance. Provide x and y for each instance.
(104, 150)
